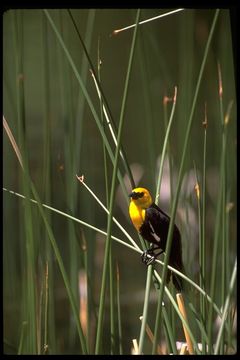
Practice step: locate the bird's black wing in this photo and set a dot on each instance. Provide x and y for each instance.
(155, 226)
(155, 230)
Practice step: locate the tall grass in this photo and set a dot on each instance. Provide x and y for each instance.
(29, 288)
(63, 283)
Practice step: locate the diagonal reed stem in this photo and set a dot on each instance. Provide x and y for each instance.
(112, 195)
(180, 176)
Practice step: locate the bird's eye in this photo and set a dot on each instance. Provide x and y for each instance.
(136, 195)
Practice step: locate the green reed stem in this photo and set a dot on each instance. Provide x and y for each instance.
(119, 313)
(23, 334)
(180, 176)
(29, 283)
(137, 249)
(166, 139)
(145, 309)
(220, 225)
(173, 302)
(159, 304)
(170, 333)
(226, 308)
(223, 232)
(88, 99)
(46, 311)
(203, 237)
(112, 195)
(105, 103)
(54, 245)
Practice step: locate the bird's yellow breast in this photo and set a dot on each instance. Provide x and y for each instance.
(137, 215)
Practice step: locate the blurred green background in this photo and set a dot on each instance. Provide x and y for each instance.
(62, 140)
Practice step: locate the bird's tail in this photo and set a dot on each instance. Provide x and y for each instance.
(177, 280)
(175, 260)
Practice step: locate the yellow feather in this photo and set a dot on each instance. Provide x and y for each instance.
(137, 207)
(137, 215)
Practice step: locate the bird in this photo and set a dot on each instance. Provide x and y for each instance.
(152, 224)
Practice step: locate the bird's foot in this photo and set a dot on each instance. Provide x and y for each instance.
(148, 257)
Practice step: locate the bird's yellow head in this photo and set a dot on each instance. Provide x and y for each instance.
(141, 197)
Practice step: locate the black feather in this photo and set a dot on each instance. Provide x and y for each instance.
(158, 220)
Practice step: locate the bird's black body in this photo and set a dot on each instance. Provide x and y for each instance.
(155, 230)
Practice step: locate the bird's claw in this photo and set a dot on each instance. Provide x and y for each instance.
(146, 259)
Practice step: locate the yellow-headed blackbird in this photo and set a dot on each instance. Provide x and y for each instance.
(152, 224)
